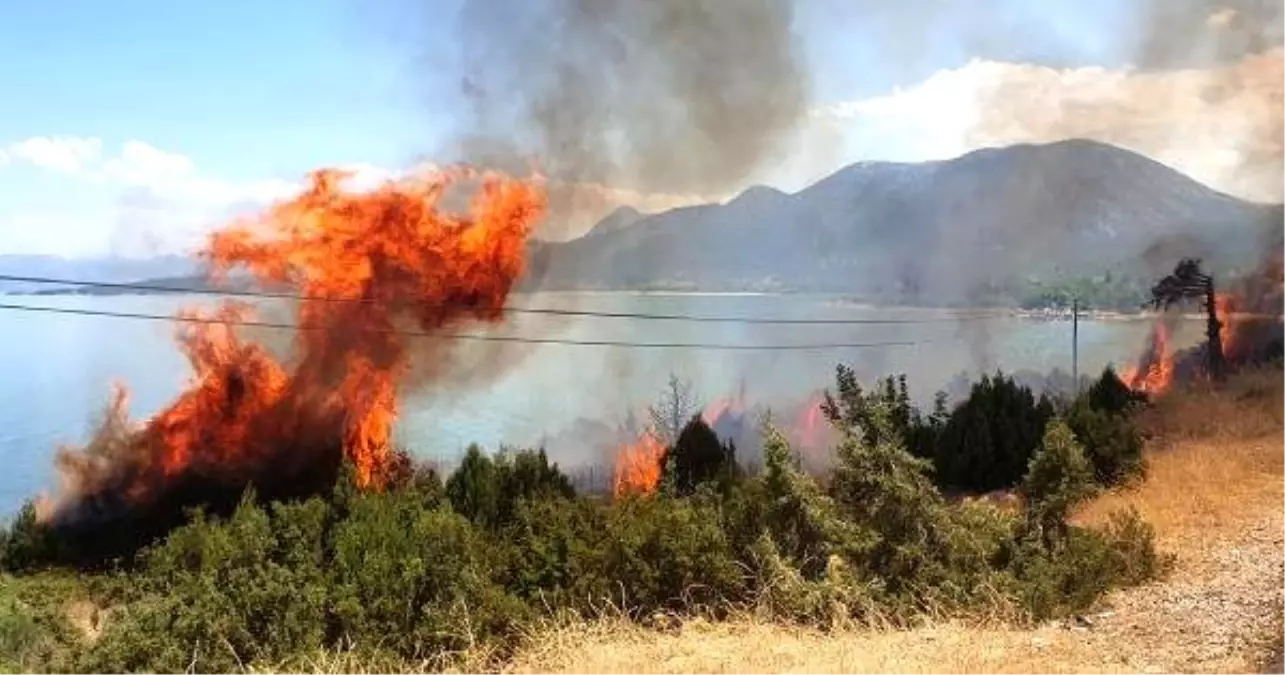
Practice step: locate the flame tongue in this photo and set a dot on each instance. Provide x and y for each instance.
(638, 466)
(1155, 371)
(1225, 305)
(365, 265)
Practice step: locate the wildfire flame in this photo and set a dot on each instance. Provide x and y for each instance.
(1154, 373)
(638, 466)
(811, 423)
(729, 407)
(367, 266)
(1225, 304)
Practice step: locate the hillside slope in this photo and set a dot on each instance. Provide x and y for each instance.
(957, 229)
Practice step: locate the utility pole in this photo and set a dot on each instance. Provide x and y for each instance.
(1075, 344)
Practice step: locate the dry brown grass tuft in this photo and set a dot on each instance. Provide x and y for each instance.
(750, 646)
(1215, 461)
(1250, 404)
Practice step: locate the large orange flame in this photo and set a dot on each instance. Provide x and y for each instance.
(1154, 373)
(638, 466)
(368, 266)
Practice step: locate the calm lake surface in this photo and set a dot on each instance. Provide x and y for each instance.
(56, 370)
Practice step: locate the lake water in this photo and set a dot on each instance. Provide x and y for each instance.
(56, 370)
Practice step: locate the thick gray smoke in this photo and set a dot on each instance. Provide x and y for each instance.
(677, 97)
(1201, 33)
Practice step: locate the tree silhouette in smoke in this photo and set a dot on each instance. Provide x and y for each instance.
(698, 456)
(1188, 282)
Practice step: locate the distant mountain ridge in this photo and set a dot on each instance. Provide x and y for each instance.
(976, 228)
(958, 230)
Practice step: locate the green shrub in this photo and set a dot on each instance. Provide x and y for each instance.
(220, 594)
(25, 543)
(697, 457)
(667, 553)
(1059, 479)
(416, 580)
(1134, 556)
(1059, 569)
(35, 634)
(1111, 395)
(1111, 440)
(474, 488)
(916, 553)
(487, 491)
(988, 440)
(852, 407)
(805, 525)
(1069, 579)
(555, 554)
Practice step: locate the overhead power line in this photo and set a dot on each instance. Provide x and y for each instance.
(465, 336)
(549, 311)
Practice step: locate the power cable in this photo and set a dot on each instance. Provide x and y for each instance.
(156, 288)
(465, 336)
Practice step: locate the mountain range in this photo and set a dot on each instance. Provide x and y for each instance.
(955, 230)
(964, 230)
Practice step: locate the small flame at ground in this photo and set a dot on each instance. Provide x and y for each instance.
(638, 466)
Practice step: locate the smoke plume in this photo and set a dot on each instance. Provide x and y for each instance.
(684, 99)
(1220, 114)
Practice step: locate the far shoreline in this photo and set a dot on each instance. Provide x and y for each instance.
(834, 300)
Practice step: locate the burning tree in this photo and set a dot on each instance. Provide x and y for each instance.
(1188, 282)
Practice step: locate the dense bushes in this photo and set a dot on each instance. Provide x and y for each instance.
(987, 440)
(424, 569)
(698, 456)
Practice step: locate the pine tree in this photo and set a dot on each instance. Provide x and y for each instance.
(1060, 478)
(698, 457)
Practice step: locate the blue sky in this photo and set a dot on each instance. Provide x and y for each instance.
(141, 121)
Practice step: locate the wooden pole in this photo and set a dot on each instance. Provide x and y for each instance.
(1075, 344)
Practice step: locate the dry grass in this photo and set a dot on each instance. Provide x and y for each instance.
(1215, 461)
(748, 646)
(1250, 404)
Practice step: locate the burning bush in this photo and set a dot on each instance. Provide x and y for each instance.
(369, 267)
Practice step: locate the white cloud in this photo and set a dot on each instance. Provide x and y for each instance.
(1222, 126)
(153, 196)
(67, 154)
(142, 164)
(161, 201)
